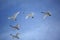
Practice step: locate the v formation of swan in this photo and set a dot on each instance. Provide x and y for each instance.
(30, 15)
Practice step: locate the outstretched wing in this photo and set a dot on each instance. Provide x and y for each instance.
(17, 25)
(26, 17)
(42, 12)
(17, 34)
(12, 36)
(10, 17)
(16, 14)
(31, 14)
(45, 16)
(10, 25)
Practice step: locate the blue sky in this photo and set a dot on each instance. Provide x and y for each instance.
(31, 29)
